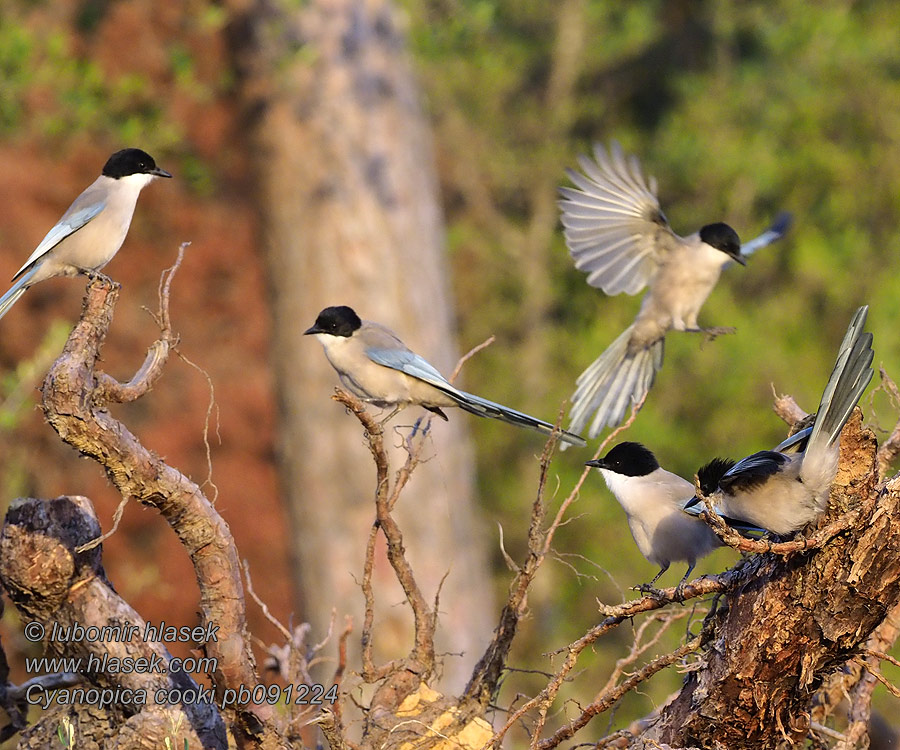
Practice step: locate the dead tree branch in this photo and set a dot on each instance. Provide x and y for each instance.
(486, 676)
(76, 397)
(793, 622)
(400, 678)
(55, 585)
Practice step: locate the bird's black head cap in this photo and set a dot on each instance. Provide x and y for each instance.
(337, 321)
(628, 459)
(709, 475)
(131, 161)
(724, 238)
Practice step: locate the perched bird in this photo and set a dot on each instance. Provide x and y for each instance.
(653, 500)
(784, 489)
(93, 228)
(376, 366)
(618, 235)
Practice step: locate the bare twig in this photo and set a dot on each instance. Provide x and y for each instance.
(786, 408)
(733, 539)
(263, 606)
(468, 355)
(486, 676)
(117, 519)
(107, 388)
(890, 448)
(421, 659)
(609, 696)
(876, 673)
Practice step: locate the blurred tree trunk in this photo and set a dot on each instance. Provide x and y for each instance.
(350, 215)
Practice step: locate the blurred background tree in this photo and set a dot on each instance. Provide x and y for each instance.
(740, 109)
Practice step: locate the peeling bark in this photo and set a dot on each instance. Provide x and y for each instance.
(794, 621)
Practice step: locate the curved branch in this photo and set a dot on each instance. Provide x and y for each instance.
(75, 396)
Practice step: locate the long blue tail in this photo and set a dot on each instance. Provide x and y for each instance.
(16, 291)
(483, 408)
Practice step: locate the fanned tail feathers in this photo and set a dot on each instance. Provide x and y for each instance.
(612, 383)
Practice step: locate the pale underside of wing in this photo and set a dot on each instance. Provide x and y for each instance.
(613, 225)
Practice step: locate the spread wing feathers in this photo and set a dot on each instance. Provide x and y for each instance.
(73, 220)
(779, 228)
(413, 365)
(612, 383)
(752, 471)
(613, 225)
(15, 291)
(852, 373)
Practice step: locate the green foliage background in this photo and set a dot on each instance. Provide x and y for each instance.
(740, 109)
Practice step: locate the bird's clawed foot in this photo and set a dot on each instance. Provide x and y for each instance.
(711, 334)
(649, 589)
(100, 278)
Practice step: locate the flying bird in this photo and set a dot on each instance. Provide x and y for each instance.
(783, 490)
(376, 366)
(617, 233)
(93, 228)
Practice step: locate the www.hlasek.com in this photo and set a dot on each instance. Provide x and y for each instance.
(39, 695)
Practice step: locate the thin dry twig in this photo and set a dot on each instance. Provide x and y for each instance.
(787, 409)
(424, 620)
(117, 519)
(486, 675)
(609, 697)
(468, 355)
(262, 605)
(876, 673)
(890, 448)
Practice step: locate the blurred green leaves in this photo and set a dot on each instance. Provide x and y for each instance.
(47, 89)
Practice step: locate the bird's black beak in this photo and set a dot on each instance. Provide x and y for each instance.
(312, 329)
(157, 172)
(597, 463)
(738, 258)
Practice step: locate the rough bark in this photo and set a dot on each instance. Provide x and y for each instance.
(349, 212)
(57, 586)
(793, 622)
(76, 396)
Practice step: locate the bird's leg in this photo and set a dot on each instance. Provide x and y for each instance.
(714, 332)
(679, 589)
(647, 588)
(382, 422)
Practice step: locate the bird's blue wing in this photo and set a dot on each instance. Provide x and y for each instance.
(752, 471)
(796, 443)
(410, 363)
(71, 222)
